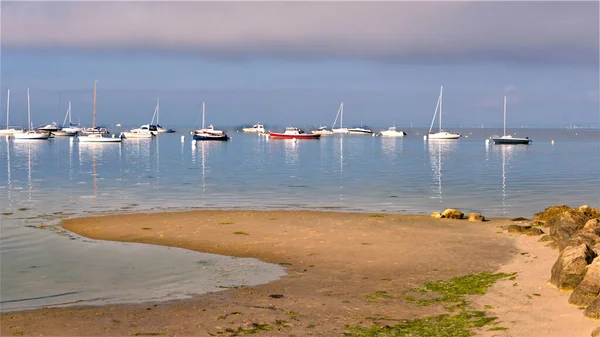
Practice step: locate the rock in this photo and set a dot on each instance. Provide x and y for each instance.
(519, 219)
(596, 332)
(593, 310)
(437, 215)
(476, 217)
(451, 213)
(589, 237)
(547, 238)
(589, 288)
(518, 229)
(534, 231)
(571, 265)
(592, 224)
(596, 249)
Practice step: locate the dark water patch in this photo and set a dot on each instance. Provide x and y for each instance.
(39, 297)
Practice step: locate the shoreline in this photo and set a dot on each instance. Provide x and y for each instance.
(333, 261)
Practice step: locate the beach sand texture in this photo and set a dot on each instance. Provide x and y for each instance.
(333, 260)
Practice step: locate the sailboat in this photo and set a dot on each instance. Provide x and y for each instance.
(441, 134)
(8, 131)
(159, 128)
(69, 131)
(95, 134)
(208, 133)
(508, 139)
(30, 134)
(340, 114)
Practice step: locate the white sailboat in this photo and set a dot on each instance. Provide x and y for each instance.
(30, 134)
(159, 128)
(441, 134)
(95, 134)
(69, 131)
(8, 131)
(340, 114)
(209, 132)
(508, 139)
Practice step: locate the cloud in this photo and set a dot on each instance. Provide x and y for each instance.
(528, 32)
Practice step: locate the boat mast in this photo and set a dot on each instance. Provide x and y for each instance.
(157, 104)
(342, 115)
(7, 107)
(505, 115)
(68, 115)
(203, 106)
(94, 115)
(441, 91)
(437, 105)
(28, 112)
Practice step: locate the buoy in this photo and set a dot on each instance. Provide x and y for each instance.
(113, 135)
(552, 141)
(193, 142)
(182, 139)
(424, 137)
(487, 142)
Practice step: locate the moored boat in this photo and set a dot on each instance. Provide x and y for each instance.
(30, 134)
(363, 130)
(293, 133)
(256, 128)
(441, 134)
(98, 138)
(322, 130)
(208, 133)
(392, 132)
(508, 139)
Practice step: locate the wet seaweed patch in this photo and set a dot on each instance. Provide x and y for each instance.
(376, 215)
(146, 228)
(459, 321)
(7, 213)
(240, 233)
(23, 209)
(226, 223)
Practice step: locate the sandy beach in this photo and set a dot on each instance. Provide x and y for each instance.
(334, 261)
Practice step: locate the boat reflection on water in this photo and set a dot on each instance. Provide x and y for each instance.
(508, 154)
(390, 146)
(291, 151)
(439, 151)
(93, 153)
(30, 150)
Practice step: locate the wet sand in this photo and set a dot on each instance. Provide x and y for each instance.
(333, 261)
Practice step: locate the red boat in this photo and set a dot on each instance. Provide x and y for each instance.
(293, 133)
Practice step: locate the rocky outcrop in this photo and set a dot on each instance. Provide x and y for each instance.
(527, 230)
(593, 310)
(571, 226)
(571, 266)
(451, 213)
(586, 292)
(436, 215)
(476, 217)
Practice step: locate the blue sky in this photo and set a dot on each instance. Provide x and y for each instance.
(293, 63)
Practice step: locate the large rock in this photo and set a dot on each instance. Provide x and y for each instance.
(593, 310)
(591, 237)
(518, 229)
(451, 213)
(596, 332)
(571, 265)
(476, 217)
(437, 215)
(592, 224)
(589, 288)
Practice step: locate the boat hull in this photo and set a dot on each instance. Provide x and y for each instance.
(95, 139)
(276, 135)
(64, 133)
(222, 137)
(138, 135)
(31, 135)
(511, 141)
(322, 132)
(392, 134)
(444, 135)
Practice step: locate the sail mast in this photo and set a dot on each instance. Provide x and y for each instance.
(28, 111)
(7, 107)
(157, 109)
(203, 106)
(505, 115)
(441, 92)
(342, 116)
(94, 115)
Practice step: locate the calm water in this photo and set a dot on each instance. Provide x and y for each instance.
(42, 180)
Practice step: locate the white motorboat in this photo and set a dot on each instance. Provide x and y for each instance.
(392, 132)
(340, 114)
(49, 127)
(441, 134)
(322, 130)
(155, 129)
(363, 130)
(138, 133)
(508, 139)
(8, 131)
(256, 128)
(31, 134)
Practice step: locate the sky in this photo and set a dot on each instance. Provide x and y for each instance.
(293, 63)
